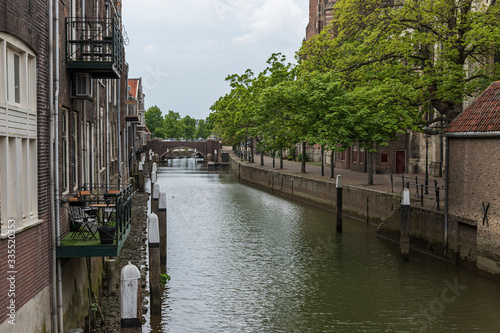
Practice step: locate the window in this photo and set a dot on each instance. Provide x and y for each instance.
(355, 154)
(74, 150)
(361, 155)
(342, 155)
(18, 134)
(384, 158)
(64, 151)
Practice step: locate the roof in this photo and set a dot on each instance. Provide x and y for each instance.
(482, 116)
(133, 84)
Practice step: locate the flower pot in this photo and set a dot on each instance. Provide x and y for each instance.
(107, 235)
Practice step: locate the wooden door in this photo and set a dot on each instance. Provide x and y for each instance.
(400, 161)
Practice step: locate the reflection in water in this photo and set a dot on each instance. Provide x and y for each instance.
(242, 260)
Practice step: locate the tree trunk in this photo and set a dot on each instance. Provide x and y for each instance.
(370, 166)
(303, 164)
(322, 161)
(332, 165)
(251, 151)
(281, 159)
(261, 158)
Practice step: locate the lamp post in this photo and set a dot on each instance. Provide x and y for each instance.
(426, 138)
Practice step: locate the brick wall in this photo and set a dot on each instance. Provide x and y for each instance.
(28, 21)
(474, 180)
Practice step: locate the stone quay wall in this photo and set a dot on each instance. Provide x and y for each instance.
(382, 209)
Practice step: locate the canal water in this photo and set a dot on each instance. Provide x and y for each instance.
(243, 260)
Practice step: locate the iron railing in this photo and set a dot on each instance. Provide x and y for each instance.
(94, 41)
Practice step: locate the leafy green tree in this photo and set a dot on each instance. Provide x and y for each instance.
(172, 126)
(440, 49)
(202, 130)
(154, 122)
(189, 127)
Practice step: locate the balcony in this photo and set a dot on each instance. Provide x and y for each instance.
(94, 46)
(100, 221)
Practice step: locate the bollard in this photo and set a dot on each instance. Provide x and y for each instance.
(339, 204)
(153, 177)
(155, 195)
(404, 240)
(154, 264)
(141, 177)
(162, 222)
(111, 275)
(155, 169)
(130, 300)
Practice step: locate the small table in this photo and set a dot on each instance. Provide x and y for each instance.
(106, 209)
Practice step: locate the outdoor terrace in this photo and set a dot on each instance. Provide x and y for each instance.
(100, 221)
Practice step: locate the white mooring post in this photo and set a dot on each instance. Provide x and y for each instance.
(155, 168)
(154, 264)
(130, 300)
(153, 177)
(141, 177)
(339, 204)
(155, 196)
(162, 221)
(404, 239)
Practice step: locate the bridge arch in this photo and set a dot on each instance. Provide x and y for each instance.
(209, 149)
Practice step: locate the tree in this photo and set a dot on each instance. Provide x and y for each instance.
(154, 122)
(440, 49)
(188, 125)
(172, 125)
(202, 130)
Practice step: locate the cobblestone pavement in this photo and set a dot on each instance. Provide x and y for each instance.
(382, 182)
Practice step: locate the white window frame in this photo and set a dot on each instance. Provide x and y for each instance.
(18, 135)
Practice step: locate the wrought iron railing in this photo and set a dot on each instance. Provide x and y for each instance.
(98, 214)
(94, 40)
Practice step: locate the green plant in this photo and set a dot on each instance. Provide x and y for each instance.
(94, 306)
(164, 279)
(306, 157)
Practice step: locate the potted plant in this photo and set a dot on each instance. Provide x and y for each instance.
(107, 232)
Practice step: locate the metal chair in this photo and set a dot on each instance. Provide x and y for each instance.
(83, 224)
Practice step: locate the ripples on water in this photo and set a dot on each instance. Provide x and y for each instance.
(242, 260)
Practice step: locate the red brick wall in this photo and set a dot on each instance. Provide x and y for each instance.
(28, 21)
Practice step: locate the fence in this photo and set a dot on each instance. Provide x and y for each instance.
(420, 188)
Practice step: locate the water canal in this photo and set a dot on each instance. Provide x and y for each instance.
(243, 260)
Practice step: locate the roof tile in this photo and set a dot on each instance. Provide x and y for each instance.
(483, 115)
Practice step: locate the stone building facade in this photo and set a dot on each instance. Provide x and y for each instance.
(474, 182)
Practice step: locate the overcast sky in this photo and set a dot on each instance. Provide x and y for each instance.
(184, 49)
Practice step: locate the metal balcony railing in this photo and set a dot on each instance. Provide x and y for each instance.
(94, 46)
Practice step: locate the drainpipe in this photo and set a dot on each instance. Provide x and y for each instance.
(56, 159)
(54, 300)
(119, 135)
(446, 194)
(107, 133)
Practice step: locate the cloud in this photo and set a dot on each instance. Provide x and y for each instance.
(275, 20)
(149, 48)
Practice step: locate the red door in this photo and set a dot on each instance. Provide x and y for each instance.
(400, 161)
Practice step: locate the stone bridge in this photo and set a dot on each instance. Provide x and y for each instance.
(210, 149)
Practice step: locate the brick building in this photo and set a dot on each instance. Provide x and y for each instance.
(25, 238)
(89, 87)
(474, 186)
(137, 132)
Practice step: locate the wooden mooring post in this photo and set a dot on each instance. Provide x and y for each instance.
(339, 204)
(154, 264)
(162, 221)
(130, 300)
(155, 196)
(404, 238)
